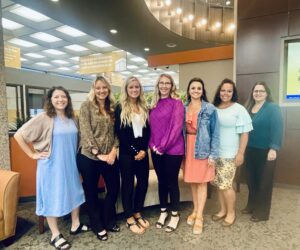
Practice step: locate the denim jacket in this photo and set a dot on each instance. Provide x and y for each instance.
(207, 136)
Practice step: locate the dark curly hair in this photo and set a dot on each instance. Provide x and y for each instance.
(49, 108)
(217, 100)
(203, 96)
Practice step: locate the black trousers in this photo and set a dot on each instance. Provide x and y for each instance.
(101, 217)
(260, 174)
(167, 170)
(133, 198)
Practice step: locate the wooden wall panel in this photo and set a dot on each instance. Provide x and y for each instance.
(256, 8)
(289, 158)
(258, 43)
(294, 22)
(245, 83)
(294, 4)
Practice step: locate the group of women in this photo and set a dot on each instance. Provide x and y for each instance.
(209, 141)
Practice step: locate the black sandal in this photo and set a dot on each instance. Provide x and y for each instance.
(144, 221)
(161, 224)
(62, 245)
(129, 225)
(170, 229)
(103, 237)
(80, 229)
(115, 229)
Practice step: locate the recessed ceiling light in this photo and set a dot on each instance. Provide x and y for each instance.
(23, 59)
(218, 24)
(10, 25)
(137, 59)
(143, 71)
(29, 14)
(75, 58)
(63, 68)
(131, 67)
(43, 64)
(231, 26)
(168, 2)
(60, 61)
(171, 45)
(70, 31)
(22, 43)
(191, 17)
(125, 72)
(54, 52)
(113, 31)
(146, 49)
(55, 0)
(228, 3)
(34, 55)
(178, 11)
(76, 47)
(100, 43)
(45, 37)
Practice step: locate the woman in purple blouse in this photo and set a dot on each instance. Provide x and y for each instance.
(167, 146)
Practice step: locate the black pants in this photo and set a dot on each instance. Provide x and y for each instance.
(133, 198)
(100, 217)
(260, 173)
(167, 170)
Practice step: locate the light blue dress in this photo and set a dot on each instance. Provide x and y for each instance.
(59, 189)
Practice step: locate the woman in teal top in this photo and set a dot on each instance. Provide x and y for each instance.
(234, 123)
(261, 153)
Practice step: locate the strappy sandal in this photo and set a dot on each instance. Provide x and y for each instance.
(63, 245)
(80, 229)
(143, 222)
(130, 225)
(198, 226)
(169, 228)
(161, 222)
(191, 218)
(102, 237)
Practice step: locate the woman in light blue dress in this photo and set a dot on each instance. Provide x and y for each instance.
(54, 137)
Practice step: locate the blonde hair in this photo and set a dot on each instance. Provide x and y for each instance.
(127, 109)
(156, 94)
(109, 100)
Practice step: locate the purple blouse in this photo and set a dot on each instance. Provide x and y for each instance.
(166, 124)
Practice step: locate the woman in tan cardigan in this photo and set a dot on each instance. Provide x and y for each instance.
(54, 136)
(97, 156)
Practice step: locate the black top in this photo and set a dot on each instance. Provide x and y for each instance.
(129, 144)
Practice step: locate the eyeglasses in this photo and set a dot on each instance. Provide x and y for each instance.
(259, 91)
(164, 83)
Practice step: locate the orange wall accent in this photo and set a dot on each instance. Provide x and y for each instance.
(190, 56)
(24, 165)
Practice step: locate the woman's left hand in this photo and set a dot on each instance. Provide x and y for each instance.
(140, 156)
(211, 162)
(272, 155)
(239, 159)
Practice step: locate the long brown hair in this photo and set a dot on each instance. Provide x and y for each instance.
(250, 102)
(156, 95)
(49, 108)
(109, 103)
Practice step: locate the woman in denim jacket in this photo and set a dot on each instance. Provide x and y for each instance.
(202, 142)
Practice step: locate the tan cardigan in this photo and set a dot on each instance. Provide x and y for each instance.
(38, 131)
(96, 131)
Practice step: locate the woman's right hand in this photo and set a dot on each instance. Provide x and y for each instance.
(155, 150)
(39, 155)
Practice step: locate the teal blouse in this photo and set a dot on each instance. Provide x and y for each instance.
(267, 128)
